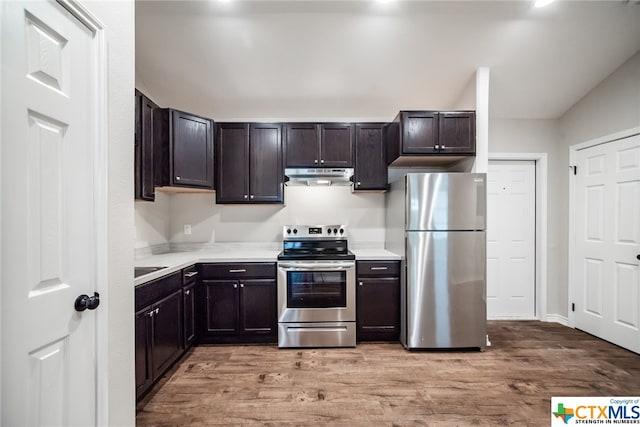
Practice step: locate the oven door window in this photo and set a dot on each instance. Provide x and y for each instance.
(316, 289)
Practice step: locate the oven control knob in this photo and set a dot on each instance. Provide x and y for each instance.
(295, 231)
(288, 231)
(335, 231)
(342, 231)
(328, 230)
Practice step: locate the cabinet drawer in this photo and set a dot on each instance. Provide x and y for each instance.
(238, 270)
(189, 275)
(378, 268)
(150, 292)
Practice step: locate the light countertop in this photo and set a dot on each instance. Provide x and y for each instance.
(178, 260)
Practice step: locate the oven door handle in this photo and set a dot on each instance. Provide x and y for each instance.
(300, 266)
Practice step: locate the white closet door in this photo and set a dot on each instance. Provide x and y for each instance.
(607, 242)
(511, 226)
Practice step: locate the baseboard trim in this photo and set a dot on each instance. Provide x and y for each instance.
(563, 320)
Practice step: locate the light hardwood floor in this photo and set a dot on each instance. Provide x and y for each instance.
(382, 384)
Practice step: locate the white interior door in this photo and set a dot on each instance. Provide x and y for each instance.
(511, 225)
(607, 242)
(50, 82)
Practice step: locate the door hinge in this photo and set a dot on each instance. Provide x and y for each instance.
(573, 306)
(575, 169)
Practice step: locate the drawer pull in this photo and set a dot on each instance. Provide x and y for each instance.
(188, 292)
(379, 268)
(239, 270)
(191, 274)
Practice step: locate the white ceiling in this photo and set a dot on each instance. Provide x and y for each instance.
(365, 60)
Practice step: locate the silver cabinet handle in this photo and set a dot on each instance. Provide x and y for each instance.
(358, 183)
(177, 178)
(437, 147)
(245, 196)
(242, 285)
(360, 283)
(379, 268)
(239, 270)
(322, 162)
(187, 292)
(157, 310)
(315, 161)
(191, 274)
(235, 286)
(252, 196)
(151, 313)
(442, 146)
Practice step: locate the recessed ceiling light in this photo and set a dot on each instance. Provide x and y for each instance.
(541, 3)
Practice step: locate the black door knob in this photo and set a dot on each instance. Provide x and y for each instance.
(84, 302)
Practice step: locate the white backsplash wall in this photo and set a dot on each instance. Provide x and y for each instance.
(163, 221)
(152, 221)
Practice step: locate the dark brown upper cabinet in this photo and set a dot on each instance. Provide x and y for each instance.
(431, 133)
(419, 132)
(144, 159)
(371, 166)
(457, 132)
(319, 145)
(183, 149)
(249, 163)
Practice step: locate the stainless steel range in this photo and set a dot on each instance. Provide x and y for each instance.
(316, 288)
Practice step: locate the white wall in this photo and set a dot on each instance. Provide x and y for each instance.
(152, 221)
(118, 17)
(164, 221)
(542, 136)
(610, 107)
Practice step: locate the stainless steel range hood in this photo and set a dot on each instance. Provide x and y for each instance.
(318, 176)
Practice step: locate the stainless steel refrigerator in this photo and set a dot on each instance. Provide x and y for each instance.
(437, 222)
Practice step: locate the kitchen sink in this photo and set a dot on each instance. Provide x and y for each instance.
(141, 271)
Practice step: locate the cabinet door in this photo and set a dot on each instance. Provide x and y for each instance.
(266, 174)
(336, 145)
(144, 369)
(189, 315)
(371, 166)
(144, 160)
(302, 145)
(378, 309)
(221, 308)
(167, 332)
(231, 163)
(419, 132)
(192, 151)
(458, 132)
(258, 306)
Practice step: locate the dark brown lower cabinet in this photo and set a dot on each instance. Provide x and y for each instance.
(158, 339)
(189, 314)
(222, 307)
(240, 303)
(240, 310)
(144, 368)
(378, 301)
(159, 331)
